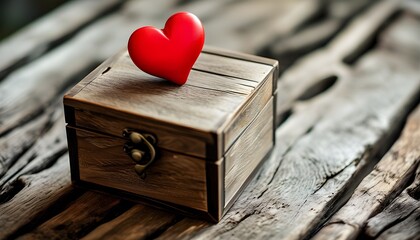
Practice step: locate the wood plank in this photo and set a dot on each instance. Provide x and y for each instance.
(139, 222)
(22, 97)
(235, 127)
(183, 229)
(231, 23)
(301, 125)
(290, 47)
(232, 67)
(174, 178)
(147, 102)
(222, 83)
(50, 144)
(309, 182)
(399, 220)
(168, 138)
(318, 29)
(280, 24)
(412, 6)
(39, 192)
(204, 10)
(401, 37)
(386, 180)
(80, 216)
(240, 55)
(37, 38)
(149, 97)
(328, 61)
(248, 151)
(126, 89)
(407, 229)
(11, 149)
(301, 183)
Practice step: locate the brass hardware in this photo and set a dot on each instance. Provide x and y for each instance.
(141, 149)
(135, 137)
(137, 155)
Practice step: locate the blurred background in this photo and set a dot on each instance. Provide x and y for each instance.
(15, 14)
(346, 67)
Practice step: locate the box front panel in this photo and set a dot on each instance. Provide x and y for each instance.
(174, 178)
(248, 151)
(172, 139)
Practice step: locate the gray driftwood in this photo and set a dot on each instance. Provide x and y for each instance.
(39, 192)
(400, 219)
(34, 40)
(340, 107)
(386, 180)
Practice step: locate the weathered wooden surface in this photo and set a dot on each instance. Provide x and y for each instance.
(36, 39)
(400, 219)
(386, 180)
(350, 77)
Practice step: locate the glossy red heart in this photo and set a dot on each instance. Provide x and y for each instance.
(171, 52)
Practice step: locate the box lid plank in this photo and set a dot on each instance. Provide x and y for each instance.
(218, 88)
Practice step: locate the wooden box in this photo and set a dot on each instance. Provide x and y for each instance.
(201, 142)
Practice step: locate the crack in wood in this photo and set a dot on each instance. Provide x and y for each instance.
(318, 88)
(263, 207)
(393, 223)
(332, 176)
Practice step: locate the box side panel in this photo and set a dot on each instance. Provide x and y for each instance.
(174, 178)
(168, 139)
(248, 151)
(248, 113)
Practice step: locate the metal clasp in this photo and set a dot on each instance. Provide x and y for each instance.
(141, 148)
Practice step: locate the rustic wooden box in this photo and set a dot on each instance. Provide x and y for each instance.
(210, 135)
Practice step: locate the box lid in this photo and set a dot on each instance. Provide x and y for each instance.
(215, 105)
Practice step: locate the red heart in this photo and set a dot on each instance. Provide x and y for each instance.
(171, 52)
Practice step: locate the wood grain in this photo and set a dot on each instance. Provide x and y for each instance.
(328, 61)
(405, 230)
(168, 138)
(399, 220)
(248, 151)
(72, 223)
(39, 192)
(175, 178)
(288, 31)
(232, 67)
(29, 89)
(183, 229)
(124, 92)
(351, 121)
(43, 151)
(240, 55)
(12, 149)
(126, 89)
(235, 127)
(139, 222)
(386, 180)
